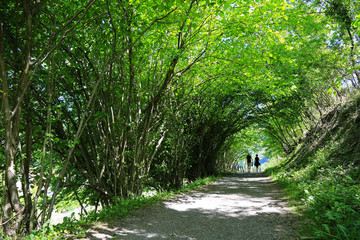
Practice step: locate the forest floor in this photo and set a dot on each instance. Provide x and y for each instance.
(238, 206)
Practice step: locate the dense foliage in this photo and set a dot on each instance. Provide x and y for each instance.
(101, 99)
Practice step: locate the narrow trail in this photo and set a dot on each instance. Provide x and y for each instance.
(238, 206)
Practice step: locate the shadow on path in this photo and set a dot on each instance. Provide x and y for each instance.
(238, 206)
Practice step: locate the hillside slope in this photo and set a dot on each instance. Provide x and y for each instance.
(338, 132)
(323, 174)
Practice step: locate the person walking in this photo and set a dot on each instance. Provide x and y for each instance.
(248, 159)
(257, 163)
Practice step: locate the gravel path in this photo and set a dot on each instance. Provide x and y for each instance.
(239, 206)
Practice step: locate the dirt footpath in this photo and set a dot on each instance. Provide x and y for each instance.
(239, 206)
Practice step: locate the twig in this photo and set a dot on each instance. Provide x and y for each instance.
(13, 216)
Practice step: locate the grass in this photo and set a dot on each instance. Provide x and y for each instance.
(328, 198)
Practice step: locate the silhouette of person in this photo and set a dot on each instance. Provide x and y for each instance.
(248, 159)
(257, 163)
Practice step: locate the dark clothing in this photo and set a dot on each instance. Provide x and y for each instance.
(248, 157)
(257, 161)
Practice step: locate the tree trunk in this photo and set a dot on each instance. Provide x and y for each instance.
(26, 165)
(12, 204)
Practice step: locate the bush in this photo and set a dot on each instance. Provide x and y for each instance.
(329, 198)
(336, 204)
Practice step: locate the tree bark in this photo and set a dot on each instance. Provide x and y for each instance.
(12, 204)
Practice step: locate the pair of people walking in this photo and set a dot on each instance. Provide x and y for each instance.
(256, 163)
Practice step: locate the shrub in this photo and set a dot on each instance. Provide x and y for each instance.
(329, 198)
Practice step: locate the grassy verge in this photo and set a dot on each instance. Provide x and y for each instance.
(328, 198)
(75, 229)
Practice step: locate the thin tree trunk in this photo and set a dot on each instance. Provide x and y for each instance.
(12, 204)
(352, 57)
(25, 166)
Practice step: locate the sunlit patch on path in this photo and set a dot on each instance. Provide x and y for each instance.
(239, 206)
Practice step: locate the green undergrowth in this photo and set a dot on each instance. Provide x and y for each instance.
(325, 194)
(322, 176)
(72, 228)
